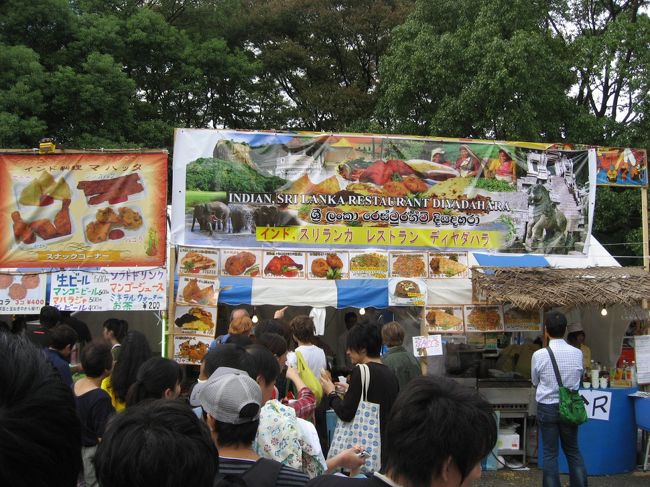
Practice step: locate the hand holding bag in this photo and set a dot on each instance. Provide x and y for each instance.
(363, 430)
(572, 407)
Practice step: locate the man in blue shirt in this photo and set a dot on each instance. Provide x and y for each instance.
(569, 361)
(62, 341)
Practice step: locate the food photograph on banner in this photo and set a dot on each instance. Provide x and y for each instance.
(319, 191)
(328, 265)
(197, 291)
(243, 263)
(483, 318)
(407, 292)
(284, 265)
(368, 265)
(195, 319)
(82, 209)
(21, 293)
(516, 319)
(444, 319)
(190, 349)
(446, 265)
(198, 262)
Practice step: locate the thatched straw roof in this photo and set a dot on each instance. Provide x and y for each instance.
(536, 288)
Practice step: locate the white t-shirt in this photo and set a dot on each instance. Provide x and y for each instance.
(315, 358)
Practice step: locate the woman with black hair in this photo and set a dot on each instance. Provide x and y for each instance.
(363, 347)
(157, 378)
(135, 352)
(114, 331)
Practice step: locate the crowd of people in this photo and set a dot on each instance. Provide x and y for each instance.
(109, 412)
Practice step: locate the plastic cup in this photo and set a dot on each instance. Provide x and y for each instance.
(603, 382)
(586, 385)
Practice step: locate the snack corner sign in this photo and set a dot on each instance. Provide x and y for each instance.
(83, 209)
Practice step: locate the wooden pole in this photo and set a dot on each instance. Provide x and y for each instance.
(644, 219)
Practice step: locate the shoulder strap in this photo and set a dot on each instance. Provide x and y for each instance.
(558, 377)
(263, 473)
(365, 381)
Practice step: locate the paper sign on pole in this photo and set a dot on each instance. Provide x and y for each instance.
(426, 346)
(642, 352)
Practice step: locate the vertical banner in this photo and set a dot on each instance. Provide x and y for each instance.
(83, 210)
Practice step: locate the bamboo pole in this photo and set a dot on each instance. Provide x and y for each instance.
(171, 307)
(644, 229)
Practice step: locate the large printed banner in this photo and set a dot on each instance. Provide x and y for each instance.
(315, 191)
(81, 210)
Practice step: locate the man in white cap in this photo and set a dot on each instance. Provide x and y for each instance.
(232, 403)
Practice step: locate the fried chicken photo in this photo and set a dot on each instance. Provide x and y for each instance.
(62, 219)
(30, 281)
(319, 267)
(334, 261)
(6, 280)
(237, 264)
(131, 220)
(22, 231)
(44, 229)
(107, 215)
(97, 232)
(282, 265)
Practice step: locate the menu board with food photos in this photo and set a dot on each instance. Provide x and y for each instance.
(190, 349)
(328, 265)
(83, 209)
(516, 319)
(21, 293)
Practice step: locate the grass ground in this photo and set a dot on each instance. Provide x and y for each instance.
(193, 198)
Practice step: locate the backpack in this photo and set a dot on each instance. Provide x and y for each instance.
(263, 473)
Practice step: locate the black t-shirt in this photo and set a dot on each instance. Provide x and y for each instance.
(338, 481)
(93, 408)
(287, 476)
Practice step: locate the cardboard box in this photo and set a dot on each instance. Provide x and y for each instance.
(508, 441)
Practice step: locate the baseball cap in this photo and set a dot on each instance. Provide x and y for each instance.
(195, 401)
(226, 397)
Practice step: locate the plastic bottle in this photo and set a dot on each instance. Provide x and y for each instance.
(633, 369)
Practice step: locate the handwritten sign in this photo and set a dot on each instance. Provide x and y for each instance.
(109, 289)
(22, 293)
(426, 346)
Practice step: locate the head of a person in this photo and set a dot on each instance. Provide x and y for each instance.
(555, 324)
(269, 326)
(392, 334)
(115, 330)
(266, 371)
(63, 339)
(226, 355)
(239, 313)
(240, 340)
(135, 352)
(80, 327)
(241, 325)
(437, 155)
(157, 378)
(156, 444)
(96, 359)
(40, 433)
(350, 319)
(504, 156)
(49, 316)
(232, 403)
(364, 341)
(303, 329)
(464, 152)
(4, 327)
(437, 433)
(576, 338)
(277, 345)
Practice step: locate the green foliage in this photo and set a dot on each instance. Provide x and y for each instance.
(209, 174)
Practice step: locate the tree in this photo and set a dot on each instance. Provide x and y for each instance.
(22, 106)
(470, 68)
(323, 55)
